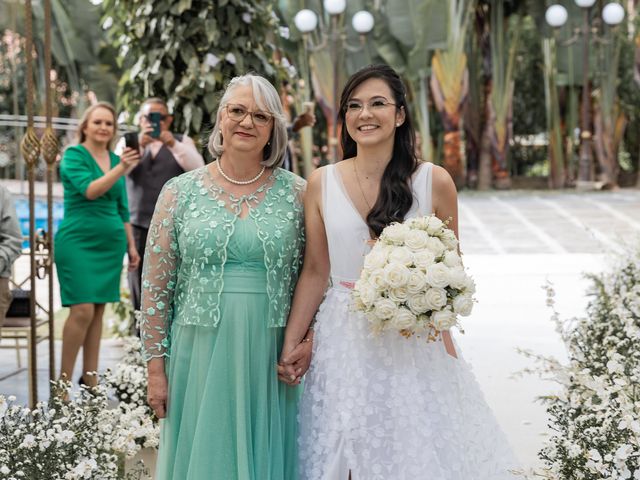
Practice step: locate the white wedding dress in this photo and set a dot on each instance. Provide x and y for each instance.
(387, 408)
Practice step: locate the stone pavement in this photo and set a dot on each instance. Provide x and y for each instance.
(513, 243)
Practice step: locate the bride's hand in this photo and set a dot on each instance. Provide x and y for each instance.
(294, 363)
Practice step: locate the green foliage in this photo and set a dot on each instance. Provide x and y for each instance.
(187, 50)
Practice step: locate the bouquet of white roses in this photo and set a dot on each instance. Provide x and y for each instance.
(413, 280)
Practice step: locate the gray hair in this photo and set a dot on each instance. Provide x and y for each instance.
(267, 99)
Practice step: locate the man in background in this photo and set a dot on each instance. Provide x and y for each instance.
(10, 247)
(164, 155)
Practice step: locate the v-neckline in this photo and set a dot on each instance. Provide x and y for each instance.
(96, 162)
(343, 189)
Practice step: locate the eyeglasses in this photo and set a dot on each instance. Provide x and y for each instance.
(238, 113)
(375, 104)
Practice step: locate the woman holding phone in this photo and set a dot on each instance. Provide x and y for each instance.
(94, 235)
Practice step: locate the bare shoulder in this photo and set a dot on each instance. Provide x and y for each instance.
(441, 180)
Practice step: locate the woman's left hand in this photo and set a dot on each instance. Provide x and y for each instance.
(134, 258)
(295, 363)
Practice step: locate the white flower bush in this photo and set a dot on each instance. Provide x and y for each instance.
(596, 415)
(68, 439)
(413, 280)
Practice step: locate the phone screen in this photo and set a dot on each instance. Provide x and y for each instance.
(155, 118)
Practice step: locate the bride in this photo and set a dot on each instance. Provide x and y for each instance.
(386, 408)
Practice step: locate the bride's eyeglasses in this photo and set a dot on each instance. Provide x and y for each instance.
(375, 104)
(238, 113)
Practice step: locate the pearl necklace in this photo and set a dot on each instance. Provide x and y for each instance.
(239, 182)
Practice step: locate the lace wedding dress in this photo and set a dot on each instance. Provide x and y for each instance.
(387, 408)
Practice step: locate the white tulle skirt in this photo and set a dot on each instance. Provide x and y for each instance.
(390, 408)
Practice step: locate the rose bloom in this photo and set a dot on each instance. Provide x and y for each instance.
(398, 294)
(396, 275)
(385, 308)
(458, 278)
(449, 239)
(367, 292)
(434, 225)
(435, 246)
(418, 303)
(443, 320)
(435, 298)
(416, 240)
(376, 278)
(462, 305)
(403, 319)
(424, 259)
(401, 255)
(438, 275)
(376, 258)
(452, 259)
(417, 282)
(395, 233)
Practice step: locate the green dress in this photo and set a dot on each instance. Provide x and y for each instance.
(91, 241)
(216, 293)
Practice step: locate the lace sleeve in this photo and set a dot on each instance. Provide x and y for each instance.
(161, 263)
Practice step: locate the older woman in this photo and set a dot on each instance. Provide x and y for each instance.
(221, 263)
(94, 235)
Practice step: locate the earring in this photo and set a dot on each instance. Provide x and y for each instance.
(398, 124)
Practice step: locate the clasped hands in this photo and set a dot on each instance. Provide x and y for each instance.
(294, 361)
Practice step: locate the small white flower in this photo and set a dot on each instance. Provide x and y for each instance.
(211, 60)
(231, 58)
(247, 17)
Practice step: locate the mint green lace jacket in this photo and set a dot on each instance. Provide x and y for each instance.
(186, 251)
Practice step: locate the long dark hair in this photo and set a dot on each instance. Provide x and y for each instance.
(395, 197)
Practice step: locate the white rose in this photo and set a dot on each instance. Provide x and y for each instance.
(416, 240)
(376, 258)
(458, 278)
(469, 285)
(435, 246)
(404, 319)
(424, 259)
(434, 225)
(418, 303)
(366, 292)
(452, 259)
(384, 308)
(398, 294)
(462, 305)
(376, 278)
(435, 298)
(396, 275)
(438, 275)
(395, 233)
(443, 320)
(401, 255)
(449, 239)
(417, 281)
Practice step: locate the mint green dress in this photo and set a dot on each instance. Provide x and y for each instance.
(216, 293)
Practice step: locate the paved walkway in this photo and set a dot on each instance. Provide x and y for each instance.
(513, 243)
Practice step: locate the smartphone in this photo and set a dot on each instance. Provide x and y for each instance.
(131, 140)
(154, 119)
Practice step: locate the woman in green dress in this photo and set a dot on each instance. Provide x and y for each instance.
(93, 237)
(221, 263)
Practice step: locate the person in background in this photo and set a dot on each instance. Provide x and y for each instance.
(163, 157)
(10, 247)
(93, 237)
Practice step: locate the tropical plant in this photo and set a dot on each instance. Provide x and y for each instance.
(450, 83)
(185, 51)
(557, 175)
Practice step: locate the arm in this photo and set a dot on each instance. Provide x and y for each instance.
(311, 284)
(102, 185)
(445, 206)
(10, 234)
(186, 154)
(158, 286)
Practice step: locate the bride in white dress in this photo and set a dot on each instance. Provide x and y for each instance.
(378, 408)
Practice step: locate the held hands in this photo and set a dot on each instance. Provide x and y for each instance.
(167, 138)
(307, 119)
(157, 394)
(294, 362)
(134, 258)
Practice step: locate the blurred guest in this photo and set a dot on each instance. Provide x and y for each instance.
(93, 236)
(10, 247)
(164, 155)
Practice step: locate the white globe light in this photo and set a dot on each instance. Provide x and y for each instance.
(585, 3)
(613, 13)
(306, 20)
(362, 22)
(556, 16)
(335, 7)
